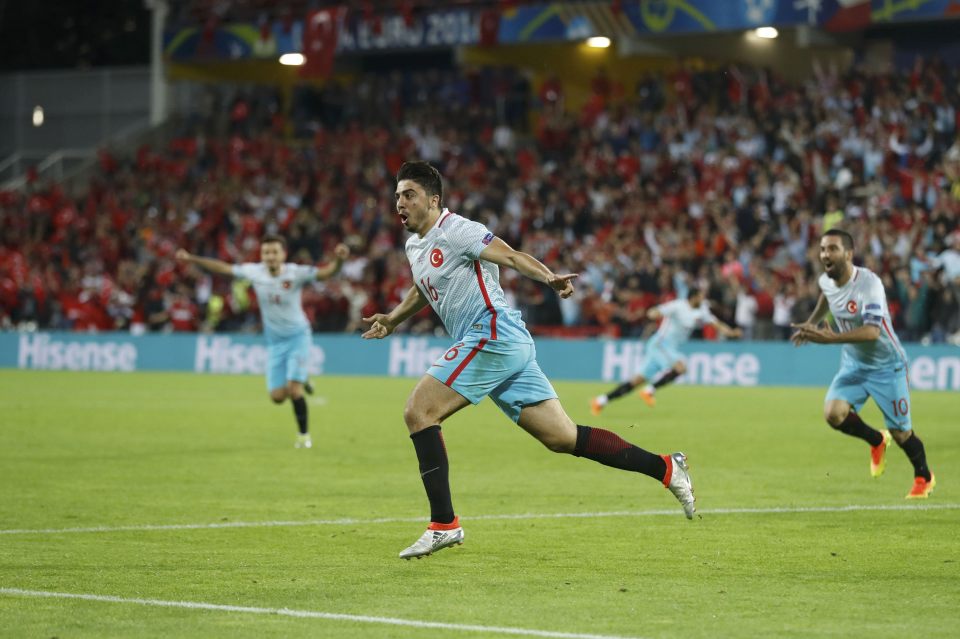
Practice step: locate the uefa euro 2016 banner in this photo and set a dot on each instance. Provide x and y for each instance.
(537, 22)
(708, 363)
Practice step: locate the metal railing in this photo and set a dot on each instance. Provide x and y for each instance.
(63, 164)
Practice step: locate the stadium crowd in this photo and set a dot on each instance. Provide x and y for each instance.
(720, 178)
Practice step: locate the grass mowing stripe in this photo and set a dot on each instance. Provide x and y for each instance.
(777, 510)
(308, 614)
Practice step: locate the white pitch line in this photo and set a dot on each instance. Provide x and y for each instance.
(310, 614)
(778, 510)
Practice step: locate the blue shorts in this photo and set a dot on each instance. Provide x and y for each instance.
(657, 357)
(889, 390)
(287, 359)
(508, 372)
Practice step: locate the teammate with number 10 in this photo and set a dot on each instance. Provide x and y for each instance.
(455, 265)
(872, 363)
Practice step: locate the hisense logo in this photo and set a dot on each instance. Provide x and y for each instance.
(222, 355)
(43, 352)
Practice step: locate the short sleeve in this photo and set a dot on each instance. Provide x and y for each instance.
(469, 238)
(246, 271)
(872, 302)
(304, 274)
(669, 309)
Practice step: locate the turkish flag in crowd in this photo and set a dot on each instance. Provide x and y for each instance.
(320, 42)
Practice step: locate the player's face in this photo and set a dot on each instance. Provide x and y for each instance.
(834, 258)
(695, 301)
(414, 206)
(272, 255)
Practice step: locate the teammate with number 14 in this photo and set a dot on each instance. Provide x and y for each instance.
(455, 264)
(279, 286)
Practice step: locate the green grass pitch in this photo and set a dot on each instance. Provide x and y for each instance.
(143, 457)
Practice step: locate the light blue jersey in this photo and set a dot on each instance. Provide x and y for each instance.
(679, 320)
(463, 289)
(862, 301)
(494, 353)
(876, 369)
(281, 305)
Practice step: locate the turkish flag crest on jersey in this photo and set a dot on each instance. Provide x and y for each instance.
(436, 257)
(286, 284)
(851, 307)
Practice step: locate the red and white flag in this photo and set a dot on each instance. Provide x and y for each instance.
(320, 41)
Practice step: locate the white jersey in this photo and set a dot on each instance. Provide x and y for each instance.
(463, 289)
(679, 320)
(281, 306)
(861, 301)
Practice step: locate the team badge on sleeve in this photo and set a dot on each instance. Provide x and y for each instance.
(436, 257)
(487, 238)
(852, 307)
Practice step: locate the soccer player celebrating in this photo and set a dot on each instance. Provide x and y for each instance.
(662, 361)
(455, 265)
(872, 363)
(279, 286)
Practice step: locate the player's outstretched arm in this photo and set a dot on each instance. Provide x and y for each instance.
(382, 324)
(340, 253)
(207, 263)
(500, 253)
(726, 330)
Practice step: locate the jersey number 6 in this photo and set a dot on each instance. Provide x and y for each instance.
(428, 287)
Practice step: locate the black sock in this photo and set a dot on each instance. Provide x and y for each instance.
(913, 447)
(855, 427)
(300, 410)
(610, 450)
(620, 390)
(434, 471)
(666, 378)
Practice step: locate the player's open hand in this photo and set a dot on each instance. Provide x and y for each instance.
(563, 284)
(341, 251)
(182, 255)
(381, 326)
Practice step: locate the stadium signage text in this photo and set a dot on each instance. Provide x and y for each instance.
(731, 363)
(40, 351)
(221, 354)
(622, 360)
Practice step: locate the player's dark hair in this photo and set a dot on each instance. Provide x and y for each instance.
(693, 292)
(423, 174)
(845, 237)
(271, 238)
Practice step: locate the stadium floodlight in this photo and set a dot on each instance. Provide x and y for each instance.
(38, 115)
(292, 59)
(767, 33)
(598, 42)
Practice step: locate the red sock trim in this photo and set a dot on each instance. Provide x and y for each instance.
(438, 526)
(669, 474)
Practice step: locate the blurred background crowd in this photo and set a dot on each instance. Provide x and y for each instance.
(721, 178)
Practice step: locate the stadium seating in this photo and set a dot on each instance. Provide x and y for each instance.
(721, 179)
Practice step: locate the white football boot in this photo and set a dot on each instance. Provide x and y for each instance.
(679, 483)
(303, 441)
(433, 540)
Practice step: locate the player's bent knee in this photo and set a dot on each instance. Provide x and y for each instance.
(417, 419)
(680, 367)
(835, 415)
(278, 396)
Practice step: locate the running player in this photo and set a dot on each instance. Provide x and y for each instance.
(872, 363)
(455, 265)
(279, 286)
(662, 361)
